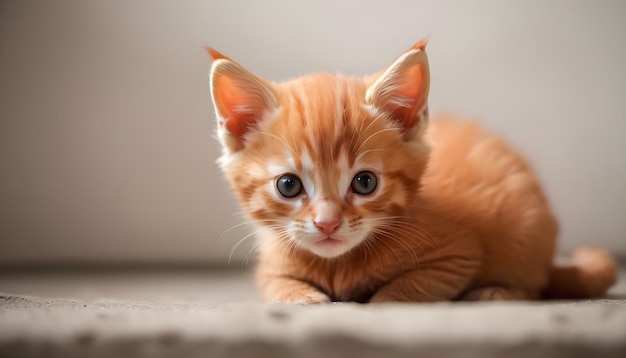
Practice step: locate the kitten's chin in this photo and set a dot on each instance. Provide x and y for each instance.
(330, 247)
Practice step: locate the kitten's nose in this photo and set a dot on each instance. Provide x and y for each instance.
(327, 227)
(328, 218)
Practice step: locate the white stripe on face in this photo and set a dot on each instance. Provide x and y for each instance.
(345, 177)
(307, 162)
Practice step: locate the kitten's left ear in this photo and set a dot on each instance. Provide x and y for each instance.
(241, 100)
(401, 91)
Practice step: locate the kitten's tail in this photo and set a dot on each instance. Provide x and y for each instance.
(591, 274)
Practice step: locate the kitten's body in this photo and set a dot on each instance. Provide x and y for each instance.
(454, 214)
(480, 220)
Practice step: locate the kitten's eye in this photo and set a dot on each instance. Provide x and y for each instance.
(364, 183)
(289, 186)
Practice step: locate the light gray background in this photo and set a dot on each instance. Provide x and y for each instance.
(106, 148)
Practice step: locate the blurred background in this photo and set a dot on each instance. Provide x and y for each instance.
(107, 153)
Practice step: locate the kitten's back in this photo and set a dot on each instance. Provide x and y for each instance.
(479, 180)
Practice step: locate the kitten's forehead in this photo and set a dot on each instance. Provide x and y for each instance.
(321, 133)
(325, 117)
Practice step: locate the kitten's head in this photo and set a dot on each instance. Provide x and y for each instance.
(325, 161)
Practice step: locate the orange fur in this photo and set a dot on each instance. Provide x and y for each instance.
(456, 213)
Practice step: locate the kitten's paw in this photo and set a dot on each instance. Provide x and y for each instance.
(304, 298)
(494, 293)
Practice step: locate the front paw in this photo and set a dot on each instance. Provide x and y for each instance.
(304, 298)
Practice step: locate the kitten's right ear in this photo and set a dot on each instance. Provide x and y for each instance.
(241, 100)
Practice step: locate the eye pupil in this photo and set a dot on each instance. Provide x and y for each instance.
(364, 183)
(289, 186)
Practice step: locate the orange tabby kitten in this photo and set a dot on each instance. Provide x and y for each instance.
(357, 198)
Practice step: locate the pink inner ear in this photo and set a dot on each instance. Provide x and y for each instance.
(238, 108)
(410, 97)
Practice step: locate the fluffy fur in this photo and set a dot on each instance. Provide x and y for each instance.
(455, 214)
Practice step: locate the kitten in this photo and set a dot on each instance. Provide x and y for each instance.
(358, 199)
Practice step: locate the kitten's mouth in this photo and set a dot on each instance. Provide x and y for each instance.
(329, 241)
(329, 246)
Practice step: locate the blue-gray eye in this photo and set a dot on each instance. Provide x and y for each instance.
(289, 186)
(364, 183)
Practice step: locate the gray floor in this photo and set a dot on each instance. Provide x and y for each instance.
(201, 312)
(164, 285)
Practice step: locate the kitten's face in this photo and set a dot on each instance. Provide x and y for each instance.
(323, 161)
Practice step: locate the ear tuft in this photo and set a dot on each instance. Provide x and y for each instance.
(401, 91)
(241, 100)
(214, 54)
(421, 45)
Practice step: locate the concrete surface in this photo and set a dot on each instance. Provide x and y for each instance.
(203, 313)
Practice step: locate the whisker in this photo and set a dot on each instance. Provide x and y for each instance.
(375, 134)
(252, 222)
(389, 247)
(280, 236)
(416, 231)
(406, 247)
(279, 139)
(239, 213)
(234, 248)
(370, 244)
(409, 227)
(374, 120)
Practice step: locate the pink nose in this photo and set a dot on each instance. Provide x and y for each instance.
(327, 227)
